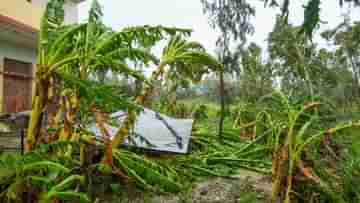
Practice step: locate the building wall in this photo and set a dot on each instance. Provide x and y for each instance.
(71, 9)
(22, 11)
(17, 52)
(29, 14)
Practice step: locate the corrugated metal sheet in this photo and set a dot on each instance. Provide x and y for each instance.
(154, 131)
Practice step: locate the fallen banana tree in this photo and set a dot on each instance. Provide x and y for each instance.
(188, 57)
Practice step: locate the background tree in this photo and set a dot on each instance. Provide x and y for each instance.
(232, 19)
(294, 52)
(346, 38)
(311, 12)
(257, 75)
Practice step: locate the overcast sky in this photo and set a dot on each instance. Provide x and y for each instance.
(189, 14)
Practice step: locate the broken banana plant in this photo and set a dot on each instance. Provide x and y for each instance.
(291, 141)
(100, 122)
(82, 51)
(129, 122)
(188, 58)
(53, 53)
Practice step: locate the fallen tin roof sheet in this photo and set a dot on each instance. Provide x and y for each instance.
(154, 131)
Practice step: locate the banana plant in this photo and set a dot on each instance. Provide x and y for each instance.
(78, 52)
(64, 191)
(176, 78)
(180, 55)
(54, 51)
(105, 50)
(52, 178)
(291, 140)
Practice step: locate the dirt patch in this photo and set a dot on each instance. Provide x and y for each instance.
(246, 188)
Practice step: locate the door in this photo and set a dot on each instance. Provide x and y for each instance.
(17, 85)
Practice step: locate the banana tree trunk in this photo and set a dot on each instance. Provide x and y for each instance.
(71, 108)
(129, 121)
(279, 174)
(100, 122)
(38, 106)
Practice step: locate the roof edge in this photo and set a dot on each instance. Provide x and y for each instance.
(17, 24)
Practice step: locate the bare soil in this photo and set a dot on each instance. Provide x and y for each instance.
(247, 187)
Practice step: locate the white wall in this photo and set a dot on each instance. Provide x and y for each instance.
(71, 10)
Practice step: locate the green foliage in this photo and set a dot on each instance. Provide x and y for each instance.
(312, 18)
(107, 97)
(298, 130)
(231, 17)
(75, 60)
(147, 173)
(200, 112)
(311, 13)
(52, 178)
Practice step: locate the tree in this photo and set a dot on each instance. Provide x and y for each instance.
(346, 38)
(257, 75)
(294, 52)
(232, 18)
(234, 15)
(311, 13)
